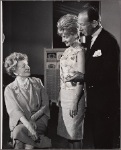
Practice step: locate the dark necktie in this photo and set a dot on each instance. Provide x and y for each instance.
(88, 41)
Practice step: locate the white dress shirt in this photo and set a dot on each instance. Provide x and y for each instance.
(95, 35)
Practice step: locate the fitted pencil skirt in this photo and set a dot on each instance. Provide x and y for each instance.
(68, 127)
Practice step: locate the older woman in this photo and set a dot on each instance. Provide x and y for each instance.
(27, 105)
(72, 100)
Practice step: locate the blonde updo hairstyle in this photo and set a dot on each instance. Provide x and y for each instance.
(11, 62)
(68, 24)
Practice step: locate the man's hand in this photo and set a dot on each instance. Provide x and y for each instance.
(78, 77)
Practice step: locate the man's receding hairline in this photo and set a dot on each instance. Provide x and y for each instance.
(84, 12)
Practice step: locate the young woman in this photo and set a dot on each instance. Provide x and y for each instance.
(72, 100)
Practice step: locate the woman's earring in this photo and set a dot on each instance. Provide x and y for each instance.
(16, 74)
(79, 39)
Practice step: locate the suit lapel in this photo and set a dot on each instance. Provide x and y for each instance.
(94, 47)
(90, 52)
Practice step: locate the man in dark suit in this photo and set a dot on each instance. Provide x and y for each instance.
(101, 76)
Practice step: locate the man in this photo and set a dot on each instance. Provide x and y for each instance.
(101, 76)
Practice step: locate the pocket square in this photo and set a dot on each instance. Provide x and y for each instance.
(97, 53)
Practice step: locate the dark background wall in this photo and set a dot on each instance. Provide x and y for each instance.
(27, 26)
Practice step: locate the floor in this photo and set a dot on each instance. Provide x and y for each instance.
(57, 141)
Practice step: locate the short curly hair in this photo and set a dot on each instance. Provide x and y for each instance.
(67, 23)
(11, 62)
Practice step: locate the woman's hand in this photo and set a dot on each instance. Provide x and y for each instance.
(31, 127)
(73, 110)
(33, 123)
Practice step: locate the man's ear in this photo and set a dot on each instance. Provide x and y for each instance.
(95, 23)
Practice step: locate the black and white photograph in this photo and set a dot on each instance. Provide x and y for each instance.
(51, 55)
(60, 74)
(51, 65)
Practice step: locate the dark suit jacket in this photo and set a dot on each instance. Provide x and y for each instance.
(102, 74)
